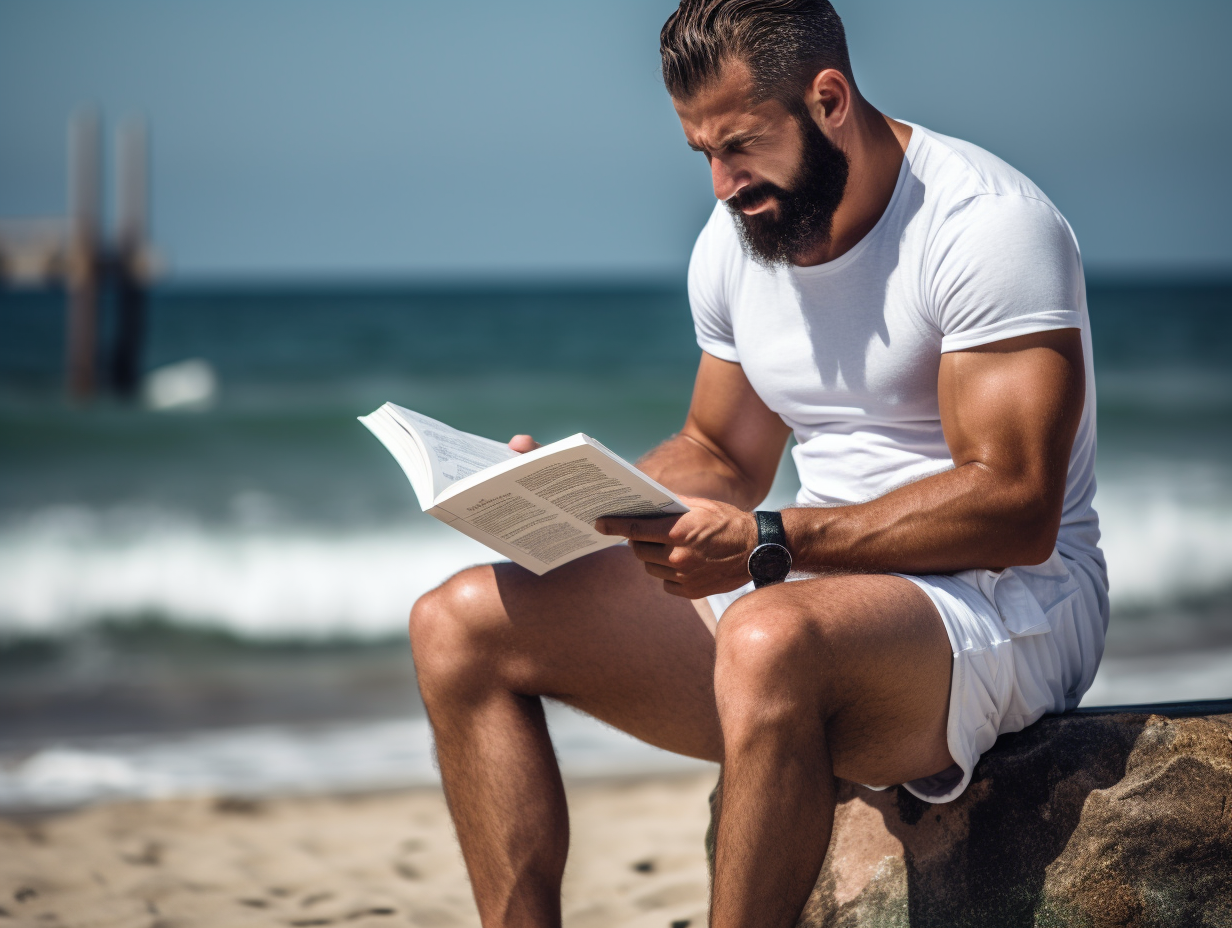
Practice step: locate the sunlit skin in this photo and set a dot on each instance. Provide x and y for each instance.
(747, 143)
(846, 674)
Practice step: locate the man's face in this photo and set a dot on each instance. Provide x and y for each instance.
(779, 175)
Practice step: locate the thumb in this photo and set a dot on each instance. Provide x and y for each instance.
(523, 443)
(696, 502)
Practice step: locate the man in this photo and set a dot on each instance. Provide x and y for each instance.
(913, 309)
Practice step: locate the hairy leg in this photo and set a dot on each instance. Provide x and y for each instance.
(844, 676)
(598, 634)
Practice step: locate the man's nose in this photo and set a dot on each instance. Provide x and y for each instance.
(727, 181)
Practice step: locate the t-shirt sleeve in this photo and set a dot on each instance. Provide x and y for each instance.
(707, 292)
(1003, 266)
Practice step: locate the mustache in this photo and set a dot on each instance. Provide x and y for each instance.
(753, 196)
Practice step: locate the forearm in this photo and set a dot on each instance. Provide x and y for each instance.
(1009, 413)
(969, 517)
(690, 467)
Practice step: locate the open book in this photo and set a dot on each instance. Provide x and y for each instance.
(537, 509)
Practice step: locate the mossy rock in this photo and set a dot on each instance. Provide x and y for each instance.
(1093, 819)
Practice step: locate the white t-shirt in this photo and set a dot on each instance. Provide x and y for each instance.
(968, 252)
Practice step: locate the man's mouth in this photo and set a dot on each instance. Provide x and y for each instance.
(753, 200)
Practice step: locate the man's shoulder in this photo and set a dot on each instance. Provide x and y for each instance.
(978, 199)
(954, 171)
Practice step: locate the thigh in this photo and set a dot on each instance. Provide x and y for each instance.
(883, 662)
(601, 635)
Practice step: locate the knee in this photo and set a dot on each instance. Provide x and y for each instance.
(770, 666)
(763, 640)
(449, 626)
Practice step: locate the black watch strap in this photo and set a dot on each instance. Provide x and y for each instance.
(770, 528)
(770, 561)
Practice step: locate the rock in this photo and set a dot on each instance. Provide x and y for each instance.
(1093, 819)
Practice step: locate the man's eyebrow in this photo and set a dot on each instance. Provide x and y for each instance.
(731, 141)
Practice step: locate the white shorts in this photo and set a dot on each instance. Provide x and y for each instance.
(1026, 641)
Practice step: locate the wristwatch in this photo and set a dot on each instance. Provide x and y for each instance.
(770, 561)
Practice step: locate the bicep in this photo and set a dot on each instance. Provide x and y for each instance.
(1013, 406)
(728, 417)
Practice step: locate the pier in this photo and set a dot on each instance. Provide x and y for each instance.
(97, 274)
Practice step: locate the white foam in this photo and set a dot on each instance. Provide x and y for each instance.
(281, 760)
(188, 385)
(1167, 533)
(1167, 678)
(69, 565)
(338, 757)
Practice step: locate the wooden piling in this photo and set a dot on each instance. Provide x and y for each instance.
(42, 251)
(84, 264)
(131, 273)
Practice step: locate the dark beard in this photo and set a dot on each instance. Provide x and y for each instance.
(804, 213)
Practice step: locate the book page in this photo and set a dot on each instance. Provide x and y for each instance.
(407, 449)
(453, 454)
(540, 512)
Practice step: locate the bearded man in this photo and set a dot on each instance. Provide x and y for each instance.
(913, 310)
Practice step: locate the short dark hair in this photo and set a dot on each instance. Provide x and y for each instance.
(785, 43)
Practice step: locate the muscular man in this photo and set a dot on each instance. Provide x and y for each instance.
(913, 310)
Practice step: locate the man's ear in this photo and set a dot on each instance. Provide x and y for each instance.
(829, 99)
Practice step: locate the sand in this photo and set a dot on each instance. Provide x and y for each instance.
(366, 860)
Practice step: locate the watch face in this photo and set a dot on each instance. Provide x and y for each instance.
(769, 563)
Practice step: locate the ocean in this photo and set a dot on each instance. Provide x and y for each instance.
(181, 585)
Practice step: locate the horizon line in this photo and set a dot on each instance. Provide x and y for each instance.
(1106, 276)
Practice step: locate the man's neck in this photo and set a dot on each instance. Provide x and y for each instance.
(874, 147)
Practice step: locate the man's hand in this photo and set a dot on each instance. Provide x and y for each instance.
(704, 551)
(523, 443)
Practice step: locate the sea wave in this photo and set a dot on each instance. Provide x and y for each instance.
(67, 566)
(284, 759)
(1167, 534)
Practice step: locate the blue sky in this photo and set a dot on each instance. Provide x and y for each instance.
(302, 138)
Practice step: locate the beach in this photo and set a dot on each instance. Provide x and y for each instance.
(230, 232)
(636, 859)
(208, 710)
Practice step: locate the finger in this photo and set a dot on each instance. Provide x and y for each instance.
(659, 572)
(523, 443)
(676, 589)
(639, 529)
(651, 552)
